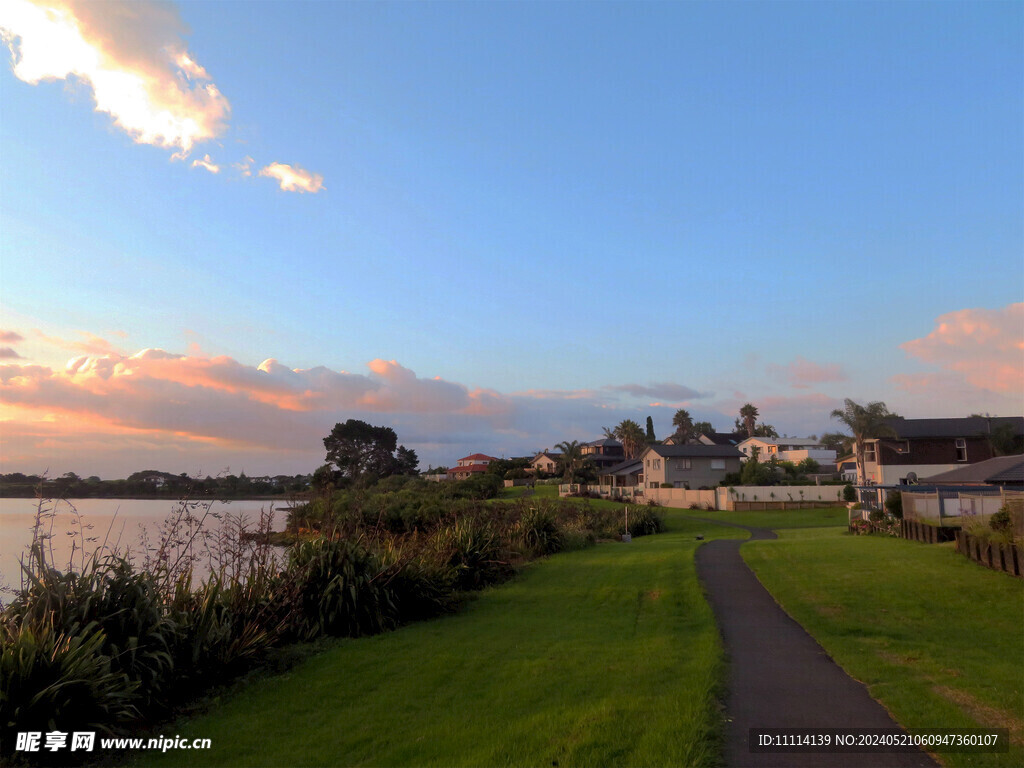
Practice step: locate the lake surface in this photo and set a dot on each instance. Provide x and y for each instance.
(126, 524)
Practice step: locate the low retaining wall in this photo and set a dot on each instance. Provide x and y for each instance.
(762, 506)
(998, 557)
(929, 534)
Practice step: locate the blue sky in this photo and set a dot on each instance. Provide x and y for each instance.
(753, 201)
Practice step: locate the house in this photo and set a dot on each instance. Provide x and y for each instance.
(927, 447)
(688, 466)
(846, 466)
(467, 466)
(546, 461)
(794, 449)
(604, 453)
(625, 474)
(1004, 471)
(721, 438)
(708, 438)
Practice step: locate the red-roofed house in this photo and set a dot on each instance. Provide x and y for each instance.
(467, 466)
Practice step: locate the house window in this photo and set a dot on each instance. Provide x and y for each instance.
(961, 449)
(657, 463)
(682, 464)
(718, 463)
(869, 452)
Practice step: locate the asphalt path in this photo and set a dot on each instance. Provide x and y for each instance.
(779, 677)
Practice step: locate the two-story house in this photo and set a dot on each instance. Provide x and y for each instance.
(920, 448)
(467, 466)
(603, 453)
(794, 449)
(688, 466)
(546, 461)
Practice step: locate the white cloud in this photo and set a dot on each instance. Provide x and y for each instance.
(131, 55)
(207, 163)
(292, 178)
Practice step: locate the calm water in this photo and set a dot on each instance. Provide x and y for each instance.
(119, 522)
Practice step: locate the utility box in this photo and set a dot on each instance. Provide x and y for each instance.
(627, 537)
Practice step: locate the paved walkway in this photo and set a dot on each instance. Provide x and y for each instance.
(779, 677)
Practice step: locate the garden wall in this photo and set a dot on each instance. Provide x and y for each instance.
(740, 498)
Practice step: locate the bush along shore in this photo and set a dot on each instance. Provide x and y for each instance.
(116, 647)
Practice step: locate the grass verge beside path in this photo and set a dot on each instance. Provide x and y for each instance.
(604, 656)
(937, 639)
(780, 518)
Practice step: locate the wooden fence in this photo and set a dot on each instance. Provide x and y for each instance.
(997, 556)
(929, 534)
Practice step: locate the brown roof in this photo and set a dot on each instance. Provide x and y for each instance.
(467, 468)
(478, 457)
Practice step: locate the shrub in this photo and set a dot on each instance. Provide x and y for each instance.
(473, 549)
(894, 504)
(339, 589)
(849, 493)
(539, 533)
(51, 679)
(1001, 522)
(667, 485)
(644, 521)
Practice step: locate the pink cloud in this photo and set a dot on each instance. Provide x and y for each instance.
(801, 373)
(8, 353)
(983, 346)
(11, 337)
(90, 344)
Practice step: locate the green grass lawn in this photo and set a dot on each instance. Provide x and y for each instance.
(604, 656)
(539, 491)
(937, 639)
(780, 518)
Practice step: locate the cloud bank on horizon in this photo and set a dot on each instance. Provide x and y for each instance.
(132, 56)
(158, 408)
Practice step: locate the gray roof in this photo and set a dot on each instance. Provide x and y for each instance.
(724, 438)
(694, 451)
(627, 467)
(972, 426)
(1002, 469)
(605, 441)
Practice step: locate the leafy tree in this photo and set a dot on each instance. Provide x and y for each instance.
(838, 442)
(406, 461)
(808, 467)
(865, 422)
(683, 423)
(1002, 440)
(632, 437)
(894, 504)
(755, 472)
(650, 430)
(702, 428)
(571, 460)
(359, 450)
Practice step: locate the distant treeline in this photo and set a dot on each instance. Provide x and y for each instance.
(150, 484)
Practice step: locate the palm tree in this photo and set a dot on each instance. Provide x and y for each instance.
(572, 458)
(865, 422)
(632, 437)
(683, 423)
(749, 415)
